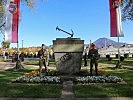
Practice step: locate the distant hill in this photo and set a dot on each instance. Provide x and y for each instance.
(101, 43)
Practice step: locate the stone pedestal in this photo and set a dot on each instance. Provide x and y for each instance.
(68, 54)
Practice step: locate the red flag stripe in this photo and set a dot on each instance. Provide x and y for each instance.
(115, 19)
(12, 20)
(15, 23)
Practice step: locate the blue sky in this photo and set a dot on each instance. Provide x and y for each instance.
(89, 19)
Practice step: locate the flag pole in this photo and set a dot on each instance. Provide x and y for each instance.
(118, 51)
(18, 49)
(118, 65)
(105, 46)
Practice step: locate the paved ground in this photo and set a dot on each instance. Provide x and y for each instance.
(67, 90)
(6, 65)
(9, 65)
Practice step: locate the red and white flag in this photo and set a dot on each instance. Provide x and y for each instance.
(12, 21)
(115, 19)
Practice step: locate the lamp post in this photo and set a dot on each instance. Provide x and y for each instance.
(22, 45)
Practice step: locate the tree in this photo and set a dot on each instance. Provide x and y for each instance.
(29, 3)
(11, 50)
(1, 10)
(127, 10)
(1, 16)
(5, 44)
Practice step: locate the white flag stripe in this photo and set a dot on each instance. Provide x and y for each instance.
(8, 25)
(115, 19)
(12, 17)
(119, 25)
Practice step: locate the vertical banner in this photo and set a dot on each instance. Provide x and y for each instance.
(12, 21)
(115, 19)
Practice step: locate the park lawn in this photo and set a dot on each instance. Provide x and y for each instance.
(35, 62)
(8, 89)
(128, 62)
(108, 90)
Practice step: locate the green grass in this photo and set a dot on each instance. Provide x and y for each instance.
(32, 62)
(30, 90)
(127, 61)
(8, 89)
(114, 61)
(108, 62)
(37, 63)
(108, 90)
(103, 91)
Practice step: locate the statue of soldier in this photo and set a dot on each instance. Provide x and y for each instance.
(43, 58)
(93, 55)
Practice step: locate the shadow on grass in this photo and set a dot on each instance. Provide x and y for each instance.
(30, 90)
(103, 90)
(8, 89)
(124, 73)
(7, 76)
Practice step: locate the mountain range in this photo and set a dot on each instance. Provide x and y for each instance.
(101, 42)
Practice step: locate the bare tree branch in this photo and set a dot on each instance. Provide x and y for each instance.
(127, 10)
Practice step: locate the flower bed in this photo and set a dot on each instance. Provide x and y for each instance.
(98, 79)
(37, 79)
(53, 77)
